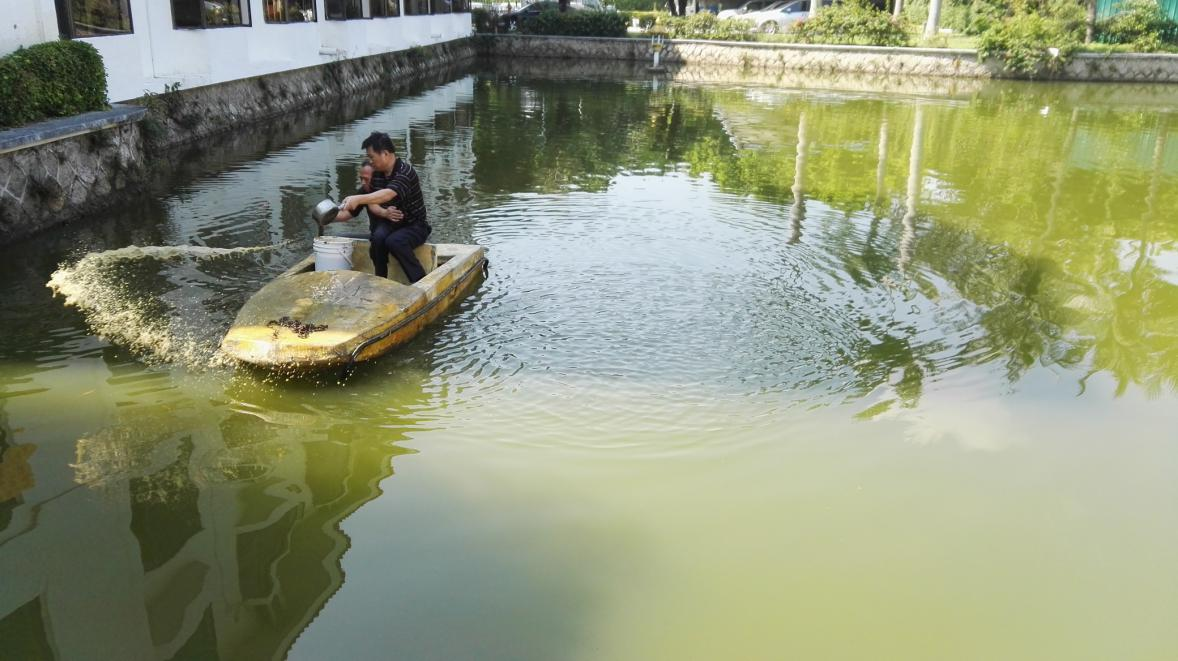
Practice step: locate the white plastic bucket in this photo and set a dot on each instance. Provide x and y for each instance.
(333, 253)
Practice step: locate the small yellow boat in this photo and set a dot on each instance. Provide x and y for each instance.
(308, 320)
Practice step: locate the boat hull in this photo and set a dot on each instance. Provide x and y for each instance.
(308, 320)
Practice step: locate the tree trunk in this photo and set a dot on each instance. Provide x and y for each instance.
(672, 6)
(915, 176)
(898, 9)
(934, 19)
(682, 7)
(797, 211)
(1090, 29)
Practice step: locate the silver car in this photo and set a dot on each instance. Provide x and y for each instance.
(779, 16)
(750, 6)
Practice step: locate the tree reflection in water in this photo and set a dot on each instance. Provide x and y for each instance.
(997, 199)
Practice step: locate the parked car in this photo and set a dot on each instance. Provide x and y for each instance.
(511, 20)
(751, 5)
(779, 16)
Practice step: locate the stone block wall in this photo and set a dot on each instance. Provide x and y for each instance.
(189, 115)
(866, 60)
(1123, 68)
(859, 60)
(67, 179)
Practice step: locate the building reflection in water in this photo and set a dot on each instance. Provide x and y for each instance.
(186, 534)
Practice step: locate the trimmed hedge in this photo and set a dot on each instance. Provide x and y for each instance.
(576, 24)
(705, 26)
(54, 79)
(646, 19)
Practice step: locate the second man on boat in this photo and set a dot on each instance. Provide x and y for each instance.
(394, 187)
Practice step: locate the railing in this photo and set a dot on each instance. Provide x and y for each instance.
(1106, 9)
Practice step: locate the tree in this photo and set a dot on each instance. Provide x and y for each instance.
(934, 19)
(1090, 28)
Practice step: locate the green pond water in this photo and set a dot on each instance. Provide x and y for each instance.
(803, 370)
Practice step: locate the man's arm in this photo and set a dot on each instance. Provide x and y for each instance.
(388, 213)
(343, 216)
(375, 197)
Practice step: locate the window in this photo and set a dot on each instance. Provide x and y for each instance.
(386, 8)
(441, 6)
(416, 7)
(93, 18)
(344, 10)
(289, 11)
(461, 6)
(210, 13)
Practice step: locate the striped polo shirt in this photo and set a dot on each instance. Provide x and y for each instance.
(407, 186)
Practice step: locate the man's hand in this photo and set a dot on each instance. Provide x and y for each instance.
(348, 203)
(391, 213)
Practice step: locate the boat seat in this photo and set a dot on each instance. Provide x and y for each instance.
(426, 253)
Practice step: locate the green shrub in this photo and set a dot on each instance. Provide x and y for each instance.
(1140, 23)
(576, 24)
(851, 22)
(705, 26)
(482, 20)
(54, 79)
(1021, 42)
(984, 15)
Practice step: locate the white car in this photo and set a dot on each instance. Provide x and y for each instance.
(751, 5)
(779, 16)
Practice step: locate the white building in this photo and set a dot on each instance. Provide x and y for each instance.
(147, 44)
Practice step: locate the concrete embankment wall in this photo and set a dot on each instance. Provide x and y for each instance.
(866, 60)
(65, 170)
(746, 55)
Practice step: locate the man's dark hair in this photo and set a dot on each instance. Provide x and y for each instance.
(379, 142)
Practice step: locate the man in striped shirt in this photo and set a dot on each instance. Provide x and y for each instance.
(394, 186)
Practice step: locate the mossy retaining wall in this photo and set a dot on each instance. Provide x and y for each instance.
(48, 178)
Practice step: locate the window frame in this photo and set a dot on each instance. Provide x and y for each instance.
(314, 14)
(409, 4)
(384, 3)
(364, 6)
(65, 22)
(205, 26)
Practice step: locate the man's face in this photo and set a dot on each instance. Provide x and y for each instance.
(366, 178)
(381, 160)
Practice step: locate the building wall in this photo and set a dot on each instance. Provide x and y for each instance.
(157, 54)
